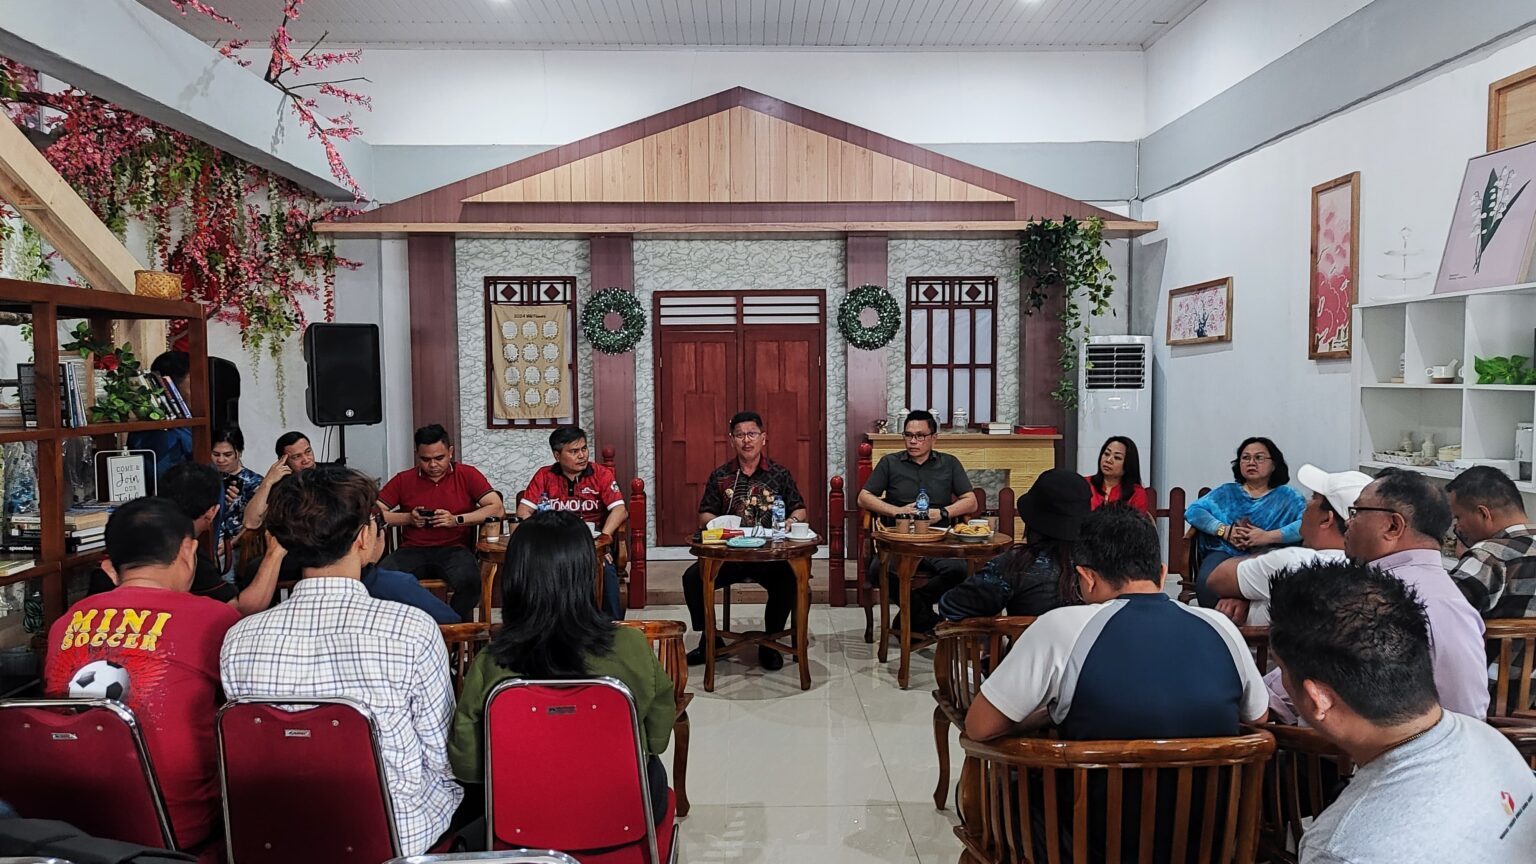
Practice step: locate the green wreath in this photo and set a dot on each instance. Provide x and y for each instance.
(868, 297)
(617, 341)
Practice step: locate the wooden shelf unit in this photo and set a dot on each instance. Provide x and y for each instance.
(1432, 330)
(48, 305)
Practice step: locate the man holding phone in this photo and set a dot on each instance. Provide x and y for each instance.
(439, 504)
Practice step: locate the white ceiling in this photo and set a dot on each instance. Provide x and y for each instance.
(1005, 25)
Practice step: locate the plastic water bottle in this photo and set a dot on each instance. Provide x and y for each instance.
(922, 503)
(778, 518)
(544, 503)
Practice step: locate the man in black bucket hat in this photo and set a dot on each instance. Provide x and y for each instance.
(1037, 577)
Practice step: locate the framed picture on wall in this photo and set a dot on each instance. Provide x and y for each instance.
(1200, 313)
(1334, 276)
(1492, 234)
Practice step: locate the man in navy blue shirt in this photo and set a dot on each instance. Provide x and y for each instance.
(1131, 662)
(402, 587)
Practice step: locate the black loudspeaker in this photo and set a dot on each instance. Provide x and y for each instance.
(344, 387)
(224, 387)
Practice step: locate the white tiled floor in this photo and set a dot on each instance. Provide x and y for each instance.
(843, 772)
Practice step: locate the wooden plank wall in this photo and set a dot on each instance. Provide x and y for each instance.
(737, 156)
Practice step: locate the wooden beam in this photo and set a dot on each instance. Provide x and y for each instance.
(1116, 228)
(44, 199)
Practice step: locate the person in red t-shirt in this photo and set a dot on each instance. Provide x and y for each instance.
(153, 646)
(577, 485)
(439, 505)
(1118, 480)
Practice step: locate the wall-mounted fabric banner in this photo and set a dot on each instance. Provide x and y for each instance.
(528, 362)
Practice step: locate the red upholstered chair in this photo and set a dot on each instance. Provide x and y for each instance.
(304, 786)
(522, 856)
(82, 761)
(565, 769)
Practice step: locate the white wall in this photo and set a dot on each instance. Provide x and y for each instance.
(554, 97)
(1224, 41)
(1250, 219)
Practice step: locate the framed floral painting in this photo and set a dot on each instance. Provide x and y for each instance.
(1493, 228)
(1335, 272)
(1200, 313)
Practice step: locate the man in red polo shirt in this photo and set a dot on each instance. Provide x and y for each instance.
(439, 505)
(577, 485)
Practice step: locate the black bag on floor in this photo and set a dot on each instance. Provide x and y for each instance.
(54, 839)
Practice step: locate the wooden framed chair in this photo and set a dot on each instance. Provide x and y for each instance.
(1305, 776)
(666, 638)
(1257, 637)
(83, 761)
(1512, 654)
(967, 653)
(464, 642)
(565, 767)
(1521, 733)
(1038, 799)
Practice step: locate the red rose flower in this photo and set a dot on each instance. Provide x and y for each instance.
(107, 362)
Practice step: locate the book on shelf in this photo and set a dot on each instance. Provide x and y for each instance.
(9, 565)
(182, 411)
(72, 397)
(76, 518)
(999, 428)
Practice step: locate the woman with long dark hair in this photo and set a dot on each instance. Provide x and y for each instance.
(1039, 576)
(1254, 511)
(1118, 480)
(552, 629)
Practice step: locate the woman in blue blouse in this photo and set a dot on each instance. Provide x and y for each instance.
(1256, 510)
(240, 482)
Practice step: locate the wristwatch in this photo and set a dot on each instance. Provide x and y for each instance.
(459, 519)
(1221, 532)
(944, 513)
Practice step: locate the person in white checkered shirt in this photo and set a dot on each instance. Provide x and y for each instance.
(330, 638)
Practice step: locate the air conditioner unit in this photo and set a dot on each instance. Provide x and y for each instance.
(1114, 397)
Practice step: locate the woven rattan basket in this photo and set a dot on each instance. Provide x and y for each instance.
(156, 283)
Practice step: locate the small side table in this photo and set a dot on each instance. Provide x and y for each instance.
(906, 554)
(798, 554)
(490, 553)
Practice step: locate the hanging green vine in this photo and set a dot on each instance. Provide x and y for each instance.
(1066, 259)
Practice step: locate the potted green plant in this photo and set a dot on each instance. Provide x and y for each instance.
(124, 395)
(1066, 259)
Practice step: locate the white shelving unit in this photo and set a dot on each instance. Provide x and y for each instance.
(1429, 331)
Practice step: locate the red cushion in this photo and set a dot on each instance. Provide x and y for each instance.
(635, 852)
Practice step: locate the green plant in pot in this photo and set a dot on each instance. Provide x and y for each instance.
(1504, 370)
(1066, 258)
(124, 396)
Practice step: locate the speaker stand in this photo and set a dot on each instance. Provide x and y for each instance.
(341, 457)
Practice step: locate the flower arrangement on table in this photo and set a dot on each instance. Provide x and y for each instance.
(126, 394)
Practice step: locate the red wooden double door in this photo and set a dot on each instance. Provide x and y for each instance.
(718, 353)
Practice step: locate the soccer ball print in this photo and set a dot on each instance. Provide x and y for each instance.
(100, 679)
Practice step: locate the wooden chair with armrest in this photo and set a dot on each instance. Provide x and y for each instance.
(1304, 777)
(1512, 654)
(1521, 733)
(464, 642)
(968, 651)
(1036, 799)
(1257, 637)
(666, 638)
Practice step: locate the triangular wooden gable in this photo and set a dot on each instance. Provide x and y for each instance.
(735, 157)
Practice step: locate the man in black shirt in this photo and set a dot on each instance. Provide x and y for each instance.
(892, 490)
(196, 491)
(746, 487)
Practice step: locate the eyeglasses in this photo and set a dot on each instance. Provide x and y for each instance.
(1253, 459)
(746, 436)
(1355, 511)
(917, 436)
(378, 520)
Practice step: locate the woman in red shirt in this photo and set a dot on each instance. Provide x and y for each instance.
(1118, 480)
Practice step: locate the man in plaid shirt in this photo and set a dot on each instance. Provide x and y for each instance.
(1498, 571)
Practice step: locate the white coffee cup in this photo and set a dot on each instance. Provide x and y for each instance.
(801, 531)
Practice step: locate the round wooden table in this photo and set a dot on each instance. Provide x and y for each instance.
(798, 554)
(491, 552)
(907, 554)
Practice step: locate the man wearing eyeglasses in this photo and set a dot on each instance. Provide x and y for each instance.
(746, 486)
(893, 488)
(1397, 524)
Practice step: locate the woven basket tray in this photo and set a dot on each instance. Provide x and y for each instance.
(929, 536)
(156, 283)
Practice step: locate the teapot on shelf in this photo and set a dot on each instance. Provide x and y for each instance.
(1448, 371)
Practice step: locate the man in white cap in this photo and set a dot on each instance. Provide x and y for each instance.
(1243, 583)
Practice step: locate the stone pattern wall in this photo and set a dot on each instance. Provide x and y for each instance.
(738, 265)
(509, 457)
